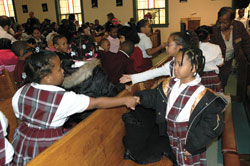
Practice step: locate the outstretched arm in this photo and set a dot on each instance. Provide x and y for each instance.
(109, 102)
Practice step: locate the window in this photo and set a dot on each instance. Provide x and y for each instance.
(153, 10)
(6, 8)
(67, 7)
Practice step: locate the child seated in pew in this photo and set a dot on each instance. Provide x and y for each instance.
(6, 149)
(43, 106)
(117, 64)
(186, 112)
(113, 39)
(61, 45)
(145, 44)
(103, 49)
(129, 33)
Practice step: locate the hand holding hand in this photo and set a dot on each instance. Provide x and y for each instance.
(125, 78)
(132, 101)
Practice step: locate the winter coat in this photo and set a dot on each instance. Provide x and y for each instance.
(206, 119)
(89, 79)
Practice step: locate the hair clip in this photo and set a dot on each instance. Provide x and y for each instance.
(83, 46)
(187, 33)
(37, 50)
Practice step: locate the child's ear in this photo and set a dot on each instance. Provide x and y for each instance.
(46, 79)
(194, 69)
(56, 46)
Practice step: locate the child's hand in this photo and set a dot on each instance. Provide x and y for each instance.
(186, 153)
(125, 78)
(132, 101)
(128, 87)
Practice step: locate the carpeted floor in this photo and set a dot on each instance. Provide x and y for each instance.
(242, 131)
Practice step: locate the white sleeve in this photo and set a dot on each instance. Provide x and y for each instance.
(15, 102)
(70, 104)
(151, 74)
(147, 43)
(219, 59)
(9, 151)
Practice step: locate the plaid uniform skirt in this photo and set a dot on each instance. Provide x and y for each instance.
(211, 80)
(177, 135)
(29, 142)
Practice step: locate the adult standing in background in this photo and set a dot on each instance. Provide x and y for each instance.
(233, 40)
(5, 24)
(242, 19)
(32, 21)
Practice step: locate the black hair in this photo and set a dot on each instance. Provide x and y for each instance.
(36, 28)
(110, 27)
(4, 20)
(31, 41)
(17, 46)
(72, 17)
(140, 24)
(38, 65)
(128, 47)
(186, 39)
(129, 33)
(225, 10)
(111, 15)
(5, 43)
(102, 41)
(83, 45)
(56, 38)
(196, 59)
(203, 32)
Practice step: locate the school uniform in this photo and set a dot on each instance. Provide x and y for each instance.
(6, 149)
(213, 55)
(140, 63)
(43, 109)
(114, 44)
(166, 70)
(190, 115)
(144, 44)
(116, 65)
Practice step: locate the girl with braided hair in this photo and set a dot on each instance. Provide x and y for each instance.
(189, 114)
(43, 106)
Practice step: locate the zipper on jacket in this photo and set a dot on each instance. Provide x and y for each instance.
(196, 117)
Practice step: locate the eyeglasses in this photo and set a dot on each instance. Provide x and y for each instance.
(170, 44)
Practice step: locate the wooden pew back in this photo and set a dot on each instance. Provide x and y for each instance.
(229, 148)
(6, 108)
(7, 85)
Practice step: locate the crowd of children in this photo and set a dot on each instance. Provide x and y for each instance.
(77, 73)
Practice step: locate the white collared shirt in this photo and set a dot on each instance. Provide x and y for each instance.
(70, 104)
(144, 44)
(213, 55)
(9, 151)
(153, 73)
(4, 34)
(176, 91)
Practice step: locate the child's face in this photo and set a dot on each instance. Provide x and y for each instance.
(183, 71)
(36, 34)
(172, 48)
(56, 76)
(62, 45)
(106, 45)
(146, 29)
(113, 33)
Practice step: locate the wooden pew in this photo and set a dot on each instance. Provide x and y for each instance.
(229, 148)
(96, 141)
(6, 108)
(7, 85)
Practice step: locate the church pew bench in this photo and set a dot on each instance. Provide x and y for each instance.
(229, 147)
